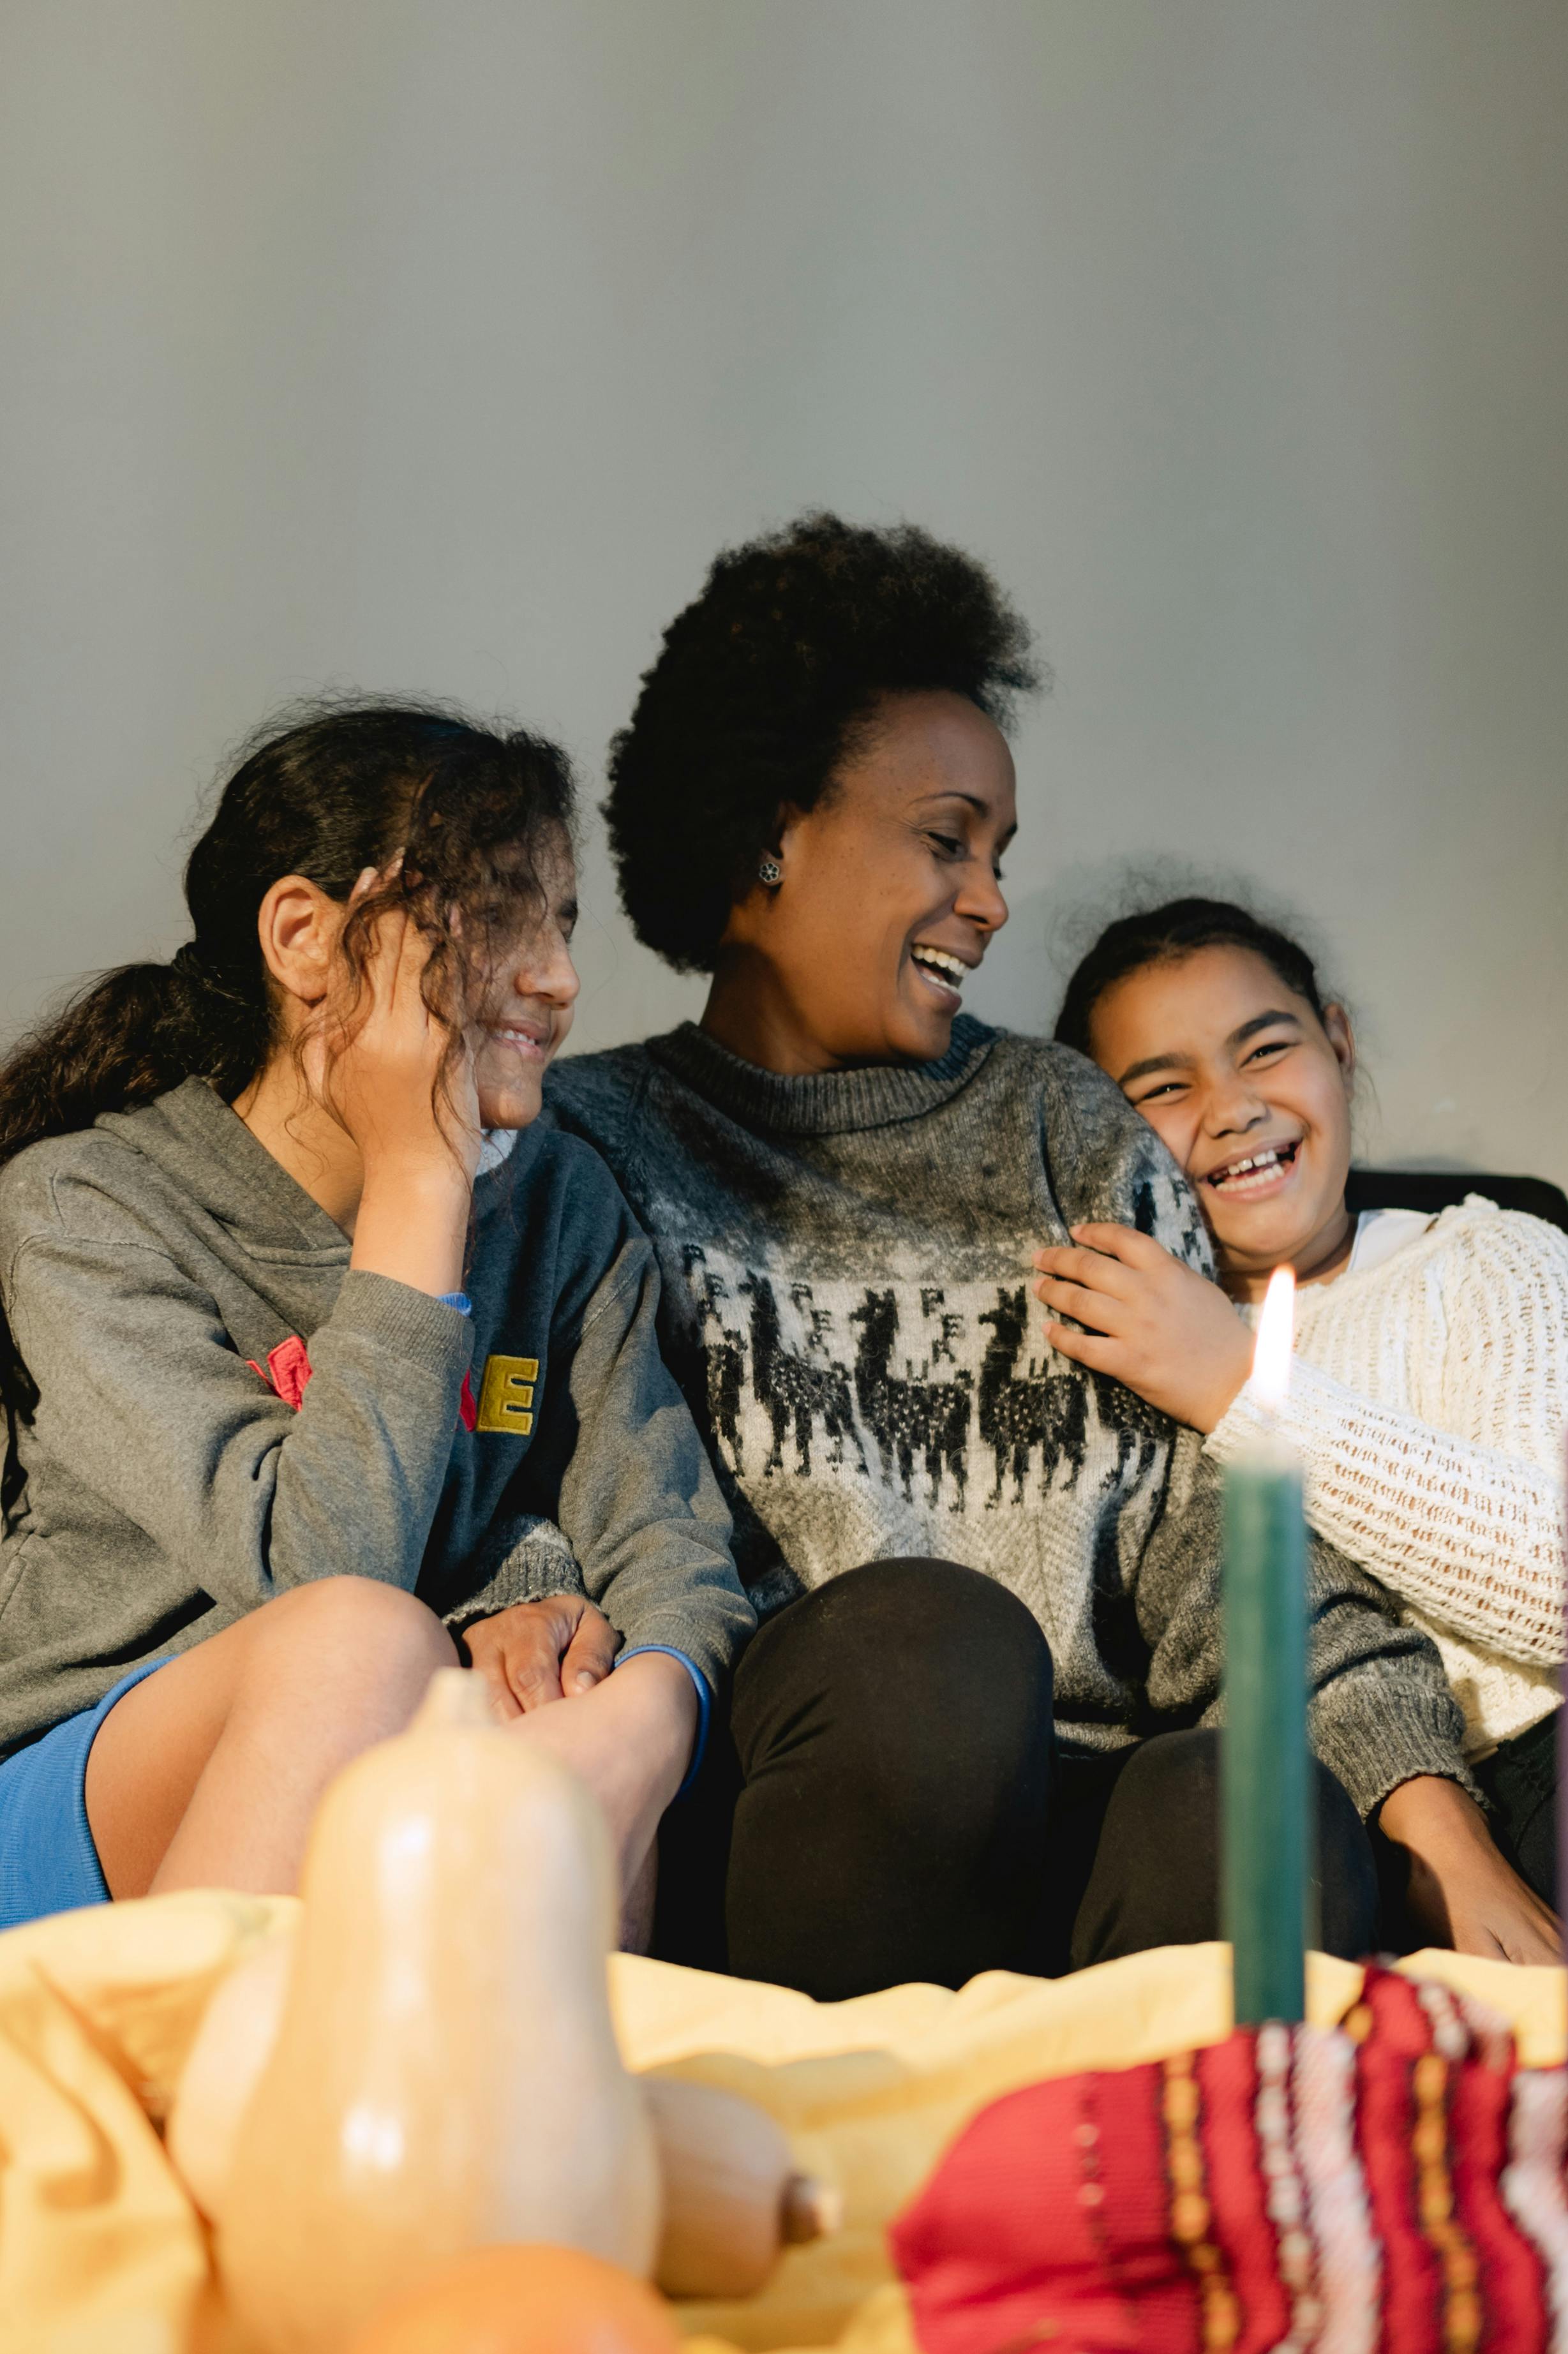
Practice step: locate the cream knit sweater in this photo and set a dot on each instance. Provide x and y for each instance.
(1429, 1401)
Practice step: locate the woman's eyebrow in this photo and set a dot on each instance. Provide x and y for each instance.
(969, 800)
(951, 794)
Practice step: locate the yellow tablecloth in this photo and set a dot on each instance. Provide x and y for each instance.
(100, 2252)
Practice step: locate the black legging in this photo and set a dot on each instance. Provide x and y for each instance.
(890, 1803)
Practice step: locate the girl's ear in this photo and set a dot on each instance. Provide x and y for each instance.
(1342, 1038)
(299, 928)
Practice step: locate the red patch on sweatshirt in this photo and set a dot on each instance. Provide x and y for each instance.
(288, 1370)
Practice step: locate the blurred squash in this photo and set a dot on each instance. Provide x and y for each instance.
(446, 2075)
(533, 2300)
(733, 2198)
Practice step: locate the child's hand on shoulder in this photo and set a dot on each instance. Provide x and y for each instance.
(1150, 1322)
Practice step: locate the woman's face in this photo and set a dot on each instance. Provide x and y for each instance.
(527, 995)
(1250, 1090)
(890, 892)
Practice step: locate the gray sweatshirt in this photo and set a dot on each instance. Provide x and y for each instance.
(226, 1410)
(847, 1306)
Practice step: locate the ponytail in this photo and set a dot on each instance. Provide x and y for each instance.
(130, 1036)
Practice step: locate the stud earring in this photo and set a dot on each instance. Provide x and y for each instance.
(769, 871)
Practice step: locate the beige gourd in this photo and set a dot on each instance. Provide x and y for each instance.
(733, 2198)
(446, 2072)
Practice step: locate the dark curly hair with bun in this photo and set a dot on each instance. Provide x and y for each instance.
(762, 688)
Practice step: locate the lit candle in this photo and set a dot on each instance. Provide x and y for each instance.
(1264, 1772)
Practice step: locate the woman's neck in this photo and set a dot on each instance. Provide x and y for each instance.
(749, 1012)
(1320, 1260)
(304, 1138)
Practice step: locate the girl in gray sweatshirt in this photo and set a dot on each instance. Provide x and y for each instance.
(309, 1379)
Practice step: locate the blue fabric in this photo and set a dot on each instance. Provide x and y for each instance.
(47, 1860)
(704, 1701)
(457, 1300)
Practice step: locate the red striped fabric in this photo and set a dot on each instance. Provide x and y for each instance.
(1394, 2185)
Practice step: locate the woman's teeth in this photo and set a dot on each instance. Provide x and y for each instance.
(938, 966)
(1253, 1173)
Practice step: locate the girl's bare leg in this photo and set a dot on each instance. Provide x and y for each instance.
(206, 1774)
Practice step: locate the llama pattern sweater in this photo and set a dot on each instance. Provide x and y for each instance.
(1429, 1402)
(846, 1302)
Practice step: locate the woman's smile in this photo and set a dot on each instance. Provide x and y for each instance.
(942, 973)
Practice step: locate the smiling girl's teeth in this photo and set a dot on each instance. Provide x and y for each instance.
(1254, 1171)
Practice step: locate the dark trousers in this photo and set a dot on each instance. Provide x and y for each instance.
(1520, 1779)
(890, 1803)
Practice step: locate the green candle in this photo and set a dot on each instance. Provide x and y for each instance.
(1264, 1771)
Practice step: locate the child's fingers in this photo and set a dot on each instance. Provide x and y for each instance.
(1124, 1244)
(1071, 1263)
(1101, 1312)
(1091, 1349)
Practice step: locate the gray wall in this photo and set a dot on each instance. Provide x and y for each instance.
(439, 343)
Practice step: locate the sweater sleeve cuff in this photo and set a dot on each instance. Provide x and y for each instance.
(1380, 1747)
(534, 1562)
(403, 1322)
(704, 1701)
(1313, 1408)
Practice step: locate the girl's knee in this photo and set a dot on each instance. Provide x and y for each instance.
(359, 1617)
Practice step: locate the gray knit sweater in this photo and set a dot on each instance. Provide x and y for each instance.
(847, 1304)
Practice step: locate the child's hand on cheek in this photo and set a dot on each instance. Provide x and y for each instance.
(1151, 1324)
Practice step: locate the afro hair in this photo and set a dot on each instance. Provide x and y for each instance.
(760, 689)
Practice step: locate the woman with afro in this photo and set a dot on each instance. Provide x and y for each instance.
(975, 1729)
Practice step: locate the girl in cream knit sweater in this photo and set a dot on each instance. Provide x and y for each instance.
(1429, 1399)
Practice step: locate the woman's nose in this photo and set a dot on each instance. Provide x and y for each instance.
(980, 900)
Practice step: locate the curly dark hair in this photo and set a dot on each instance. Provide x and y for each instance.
(762, 687)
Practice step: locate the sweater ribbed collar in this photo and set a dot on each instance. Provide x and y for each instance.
(829, 1103)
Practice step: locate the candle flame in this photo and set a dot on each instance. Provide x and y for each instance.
(1275, 1338)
